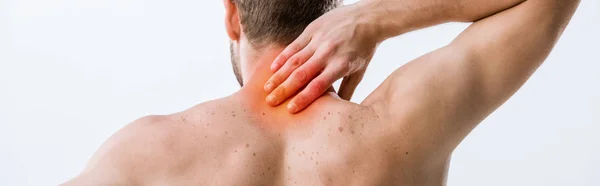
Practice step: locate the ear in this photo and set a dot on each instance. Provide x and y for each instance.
(232, 20)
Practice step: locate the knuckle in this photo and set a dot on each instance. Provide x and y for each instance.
(343, 66)
(318, 86)
(280, 60)
(286, 54)
(279, 92)
(300, 75)
(329, 45)
(275, 79)
(294, 47)
(295, 61)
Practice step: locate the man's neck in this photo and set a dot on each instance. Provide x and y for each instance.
(257, 68)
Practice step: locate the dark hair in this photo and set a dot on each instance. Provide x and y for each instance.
(279, 21)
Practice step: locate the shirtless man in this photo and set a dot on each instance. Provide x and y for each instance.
(402, 134)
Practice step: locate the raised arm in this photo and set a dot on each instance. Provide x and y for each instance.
(342, 42)
(443, 95)
(391, 18)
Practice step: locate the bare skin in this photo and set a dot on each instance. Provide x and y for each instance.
(240, 140)
(402, 134)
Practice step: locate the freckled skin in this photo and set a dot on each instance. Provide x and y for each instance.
(200, 145)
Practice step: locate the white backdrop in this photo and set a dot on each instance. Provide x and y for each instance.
(72, 72)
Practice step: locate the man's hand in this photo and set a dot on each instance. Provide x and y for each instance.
(340, 44)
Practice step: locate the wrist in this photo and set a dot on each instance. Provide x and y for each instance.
(370, 18)
(390, 18)
(384, 19)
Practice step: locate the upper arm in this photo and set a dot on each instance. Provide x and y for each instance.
(442, 96)
(433, 99)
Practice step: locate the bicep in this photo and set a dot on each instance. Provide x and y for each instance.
(434, 98)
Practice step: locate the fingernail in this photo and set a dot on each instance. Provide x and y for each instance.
(292, 107)
(269, 87)
(271, 99)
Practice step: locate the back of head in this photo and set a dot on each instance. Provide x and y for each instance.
(279, 21)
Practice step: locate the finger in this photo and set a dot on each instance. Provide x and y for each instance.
(314, 90)
(292, 64)
(299, 78)
(300, 43)
(349, 84)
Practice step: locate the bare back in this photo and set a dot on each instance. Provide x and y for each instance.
(232, 141)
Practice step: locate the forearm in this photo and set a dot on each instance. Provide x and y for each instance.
(391, 18)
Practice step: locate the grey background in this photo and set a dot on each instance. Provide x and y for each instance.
(72, 72)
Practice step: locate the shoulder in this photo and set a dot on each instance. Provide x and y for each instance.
(115, 162)
(143, 149)
(145, 146)
(142, 130)
(157, 136)
(148, 123)
(136, 138)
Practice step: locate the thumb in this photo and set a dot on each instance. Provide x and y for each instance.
(349, 84)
